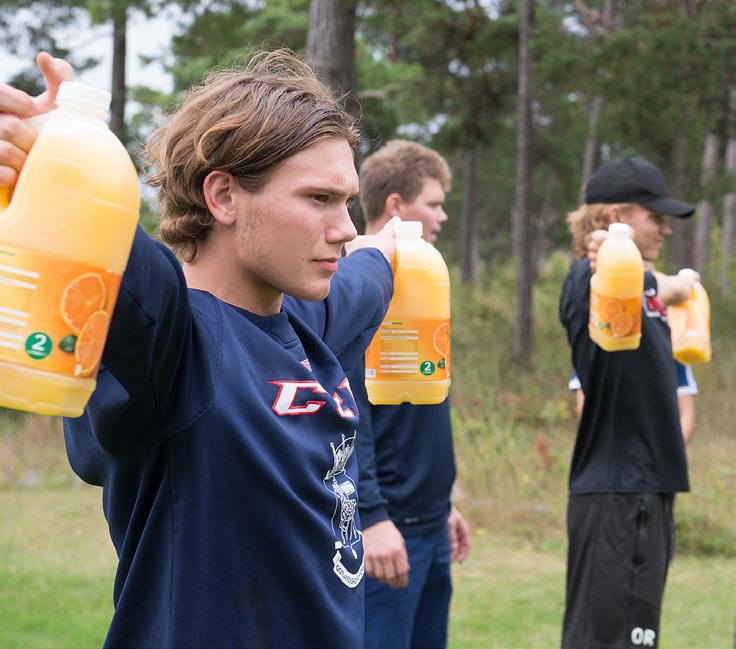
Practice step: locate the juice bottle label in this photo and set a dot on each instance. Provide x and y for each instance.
(410, 350)
(614, 317)
(54, 313)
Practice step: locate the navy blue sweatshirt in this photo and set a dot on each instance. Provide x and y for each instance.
(406, 462)
(224, 443)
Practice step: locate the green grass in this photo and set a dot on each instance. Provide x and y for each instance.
(57, 567)
(507, 595)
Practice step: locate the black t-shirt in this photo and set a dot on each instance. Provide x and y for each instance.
(629, 437)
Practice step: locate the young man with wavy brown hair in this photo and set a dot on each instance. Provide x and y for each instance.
(222, 429)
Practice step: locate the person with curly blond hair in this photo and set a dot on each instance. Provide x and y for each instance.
(629, 457)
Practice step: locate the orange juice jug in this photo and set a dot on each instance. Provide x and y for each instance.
(409, 357)
(616, 290)
(690, 326)
(65, 237)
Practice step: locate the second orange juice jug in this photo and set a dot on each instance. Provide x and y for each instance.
(616, 290)
(690, 326)
(65, 237)
(409, 358)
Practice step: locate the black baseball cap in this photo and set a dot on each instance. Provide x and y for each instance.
(634, 180)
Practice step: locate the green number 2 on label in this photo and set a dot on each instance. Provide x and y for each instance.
(427, 368)
(40, 344)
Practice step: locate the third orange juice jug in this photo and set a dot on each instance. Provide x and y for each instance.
(409, 358)
(65, 237)
(690, 326)
(616, 290)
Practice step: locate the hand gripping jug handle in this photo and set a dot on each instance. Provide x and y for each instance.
(36, 123)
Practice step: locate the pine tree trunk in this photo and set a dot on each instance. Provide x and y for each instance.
(331, 46)
(117, 106)
(729, 221)
(543, 222)
(467, 217)
(592, 144)
(331, 53)
(522, 340)
(705, 206)
(682, 248)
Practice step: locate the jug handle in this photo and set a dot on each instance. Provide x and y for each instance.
(36, 123)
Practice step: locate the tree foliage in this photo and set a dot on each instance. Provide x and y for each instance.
(444, 72)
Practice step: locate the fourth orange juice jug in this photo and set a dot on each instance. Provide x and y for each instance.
(409, 357)
(616, 290)
(65, 237)
(690, 326)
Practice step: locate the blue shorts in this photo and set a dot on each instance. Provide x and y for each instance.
(686, 385)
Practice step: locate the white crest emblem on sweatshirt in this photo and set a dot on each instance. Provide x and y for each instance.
(348, 538)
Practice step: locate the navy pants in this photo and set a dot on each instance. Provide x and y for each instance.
(414, 617)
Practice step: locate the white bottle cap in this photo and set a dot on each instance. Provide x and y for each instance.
(408, 228)
(83, 98)
(620, 231)
(685, 272)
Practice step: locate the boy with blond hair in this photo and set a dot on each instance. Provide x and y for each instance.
(405, 453)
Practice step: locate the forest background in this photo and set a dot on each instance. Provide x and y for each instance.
(524, 98)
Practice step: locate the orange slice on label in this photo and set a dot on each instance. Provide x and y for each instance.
(441, 339)
(81, 298)
(611, 307)
(91, 342)
(621, 324)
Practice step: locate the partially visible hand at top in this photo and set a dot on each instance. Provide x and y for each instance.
(674, 289)
(596, 239)
(385, 241)
(17, 137)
